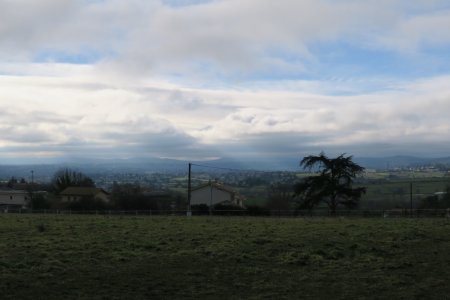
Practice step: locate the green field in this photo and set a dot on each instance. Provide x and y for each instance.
(100, 257)
(397, 193)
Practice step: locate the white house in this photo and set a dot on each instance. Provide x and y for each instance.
(75, 193)
(14, 198)
(214, 193)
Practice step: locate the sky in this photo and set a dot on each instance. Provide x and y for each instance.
(205, 79)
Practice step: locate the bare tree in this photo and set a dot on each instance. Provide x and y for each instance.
(67, 177)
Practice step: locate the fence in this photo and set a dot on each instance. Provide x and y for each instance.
(393, 213)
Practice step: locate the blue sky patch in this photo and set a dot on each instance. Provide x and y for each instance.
(59, 56)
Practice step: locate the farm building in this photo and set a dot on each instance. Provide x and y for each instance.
(214, 193)
(13, 198)
(76, 193)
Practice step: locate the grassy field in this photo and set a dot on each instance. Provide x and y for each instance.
(396, 193)
(98, 257)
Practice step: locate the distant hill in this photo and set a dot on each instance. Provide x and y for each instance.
(399, 161)
(163, 165)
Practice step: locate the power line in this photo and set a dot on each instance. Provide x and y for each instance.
(233, 169)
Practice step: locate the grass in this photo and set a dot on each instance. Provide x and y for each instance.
(396, 193)
(99, 257)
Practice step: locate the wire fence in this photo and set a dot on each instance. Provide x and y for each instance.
(389, 213)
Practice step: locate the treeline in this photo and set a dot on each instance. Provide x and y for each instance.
(129, 196)
(125, 196)
(122, 197)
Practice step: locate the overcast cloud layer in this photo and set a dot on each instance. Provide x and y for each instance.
(237, 78)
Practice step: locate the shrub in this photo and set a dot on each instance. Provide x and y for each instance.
(255, 210)
(228, 210)
(200, 209)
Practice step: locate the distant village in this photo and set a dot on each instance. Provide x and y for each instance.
(72, 190)
(167, 191)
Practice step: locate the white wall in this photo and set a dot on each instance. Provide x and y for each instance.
(13, 197)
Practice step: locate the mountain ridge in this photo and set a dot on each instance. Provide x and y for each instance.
(166, 165)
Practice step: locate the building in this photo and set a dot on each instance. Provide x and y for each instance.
(214, 193)
(13, 198)
(76, 193)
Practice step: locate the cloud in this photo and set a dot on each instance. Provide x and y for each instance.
(346, 122)
(226, 37)
(212, 39)
(254, 38)
(218, 78)
(73, 116)
(412, 34)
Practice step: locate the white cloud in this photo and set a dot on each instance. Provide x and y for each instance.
(411, 34)
(241, 38)
(124, 119)
(214, 38)
(150, 92)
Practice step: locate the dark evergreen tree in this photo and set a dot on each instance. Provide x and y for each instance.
(332, 186)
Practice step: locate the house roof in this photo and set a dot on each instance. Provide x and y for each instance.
(82, 191)
(11, 191)
(216, 185)
(220, 186)
(25, 186)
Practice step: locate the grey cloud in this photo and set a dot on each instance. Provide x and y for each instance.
(241, 37)
(143, 144)
(29, 25)
(212, 38)
(298, 145)
(418, 32)
(68, 27)
(243, 118)
(174, 145)
(180, 103)
(178, 3)
(24, 135)
(14, 118)
(161, 140)
(29, 127)
(177, 100)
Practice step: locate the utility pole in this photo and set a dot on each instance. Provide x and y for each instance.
(189, 212)
(31, 187)
(210, 196)
(411, 196)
